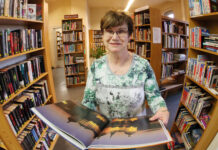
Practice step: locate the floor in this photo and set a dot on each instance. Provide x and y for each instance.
(76, 95)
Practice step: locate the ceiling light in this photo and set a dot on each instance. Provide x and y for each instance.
(128, 5)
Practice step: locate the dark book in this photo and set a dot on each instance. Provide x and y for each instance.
(86, 128)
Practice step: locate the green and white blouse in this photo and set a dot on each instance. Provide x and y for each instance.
(121, 96)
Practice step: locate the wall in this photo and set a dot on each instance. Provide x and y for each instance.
(57, 10)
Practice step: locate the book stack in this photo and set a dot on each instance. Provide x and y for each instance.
(74, 69)
(143, 18)
(211, 42)
(75, 80)
(143, 34)
(69, 59)
(30, 135)
(14, 77)
(19, 40)
(202, 7)
(72, 37)
(71, 25)
(143, 49)
(69, 48)
(167, 57)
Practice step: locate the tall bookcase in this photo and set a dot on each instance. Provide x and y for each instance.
(18, 21)
(175, 37)
(210, 128)
(59, 44)
(74, 52)
(146, 22)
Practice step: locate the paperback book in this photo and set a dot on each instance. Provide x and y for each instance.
(85, 128)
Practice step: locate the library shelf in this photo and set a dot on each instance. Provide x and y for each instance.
(202, 86)
(78, 84)
(72, 42)
(170, 87)
(24, 88)
(168, 49)
(72, 30)
(204, 50)
(143, 25)
(74, 63)
(174, 62)
(209, 16)
(22, 53)
(79, 52)
(53, 142)
(142, 41)
(18, 21)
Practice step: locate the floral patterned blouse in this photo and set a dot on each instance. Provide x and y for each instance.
(121, 96)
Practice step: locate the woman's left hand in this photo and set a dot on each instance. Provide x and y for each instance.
(161, 114)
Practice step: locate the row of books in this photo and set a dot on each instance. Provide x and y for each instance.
(71, 25)
(197, 36)
(17, 76)
(202, 7)
(74, 69)
(31, 134)
(172, 27)
(73, 37)
(143, 49)
(46, 140)
(97, 40)
(69, 59)
(68, 48)
(167, 71)
(97, 36)
(172, 41)
(75, 80)
(142, 18)
(18, 112)
(97, 32)
(167, 57)
(203, 71)
(20, 9)
(143, 34)
(198, 102)
(131, 45)
(17, 41)
(191, 132)
(94, 46)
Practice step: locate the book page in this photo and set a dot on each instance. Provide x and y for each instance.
(132, 133)
(75, 121)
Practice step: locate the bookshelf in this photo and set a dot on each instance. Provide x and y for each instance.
(146, 21)
(202, 107)
(32, 51)
(59, 44)
(175, 37)
(74, 57)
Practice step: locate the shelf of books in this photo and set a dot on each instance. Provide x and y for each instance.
(59, 44)
(175, 37)
(74, 57)
(25, 72)
(196, 121)
(148, 25)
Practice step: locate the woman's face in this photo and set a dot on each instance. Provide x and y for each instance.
(116, 38)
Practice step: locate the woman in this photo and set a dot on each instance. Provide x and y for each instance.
(119, 82)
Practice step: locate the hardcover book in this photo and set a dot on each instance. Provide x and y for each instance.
(85, 128)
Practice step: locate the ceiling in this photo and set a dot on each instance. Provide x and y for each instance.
(121, 4)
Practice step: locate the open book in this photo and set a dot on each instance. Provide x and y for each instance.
(87, 129)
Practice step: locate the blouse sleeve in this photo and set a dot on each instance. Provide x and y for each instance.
(152, 93)
(89, 99)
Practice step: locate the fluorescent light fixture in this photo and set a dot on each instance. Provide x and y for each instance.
(128, 5)
(171, 15)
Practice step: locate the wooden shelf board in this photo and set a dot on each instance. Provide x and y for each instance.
(75, 85)
(170, 87)
(196, 119)
(72, 42)
(54, 142)
(173, 76)
(72, 19)
(20, 54)
(76, 74)
(205, 50)
(165, 49)
(74, 63)
(172, 19)
(142, 41)
(40, 138)
(203, 87)
(143, 25)
(173, 62)
(28, 121)
(23, 89)
(176, 34)
(72, 30)
(17, 21)
(81, 52)
(210, 16)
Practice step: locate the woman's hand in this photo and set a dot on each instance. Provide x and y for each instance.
(161, 114)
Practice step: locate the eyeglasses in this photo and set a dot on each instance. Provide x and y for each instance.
(120, 33)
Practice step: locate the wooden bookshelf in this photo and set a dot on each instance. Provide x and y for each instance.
(59, 44)
(74, 52)
(174, 41)
(6, 134)
(143, 37)
(210, 22)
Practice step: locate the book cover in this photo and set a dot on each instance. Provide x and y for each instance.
(31, 11)
(85, 128)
